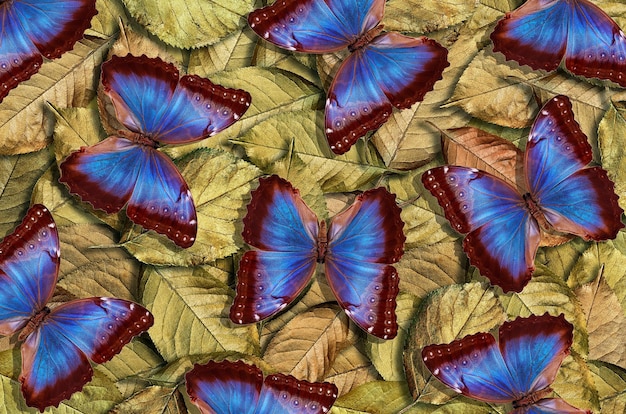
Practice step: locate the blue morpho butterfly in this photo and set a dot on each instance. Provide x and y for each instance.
(561, 194)
(382, 71)
(236, 387)
(57, 343)
(358, 248)
(519, 368)
(32, 28)
(154, 107)
(541, 32)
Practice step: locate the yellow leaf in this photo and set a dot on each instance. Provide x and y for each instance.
(379, 397)
(611, 384)
(612, 143)
(426, 16)
(153, 400)
(190, 309)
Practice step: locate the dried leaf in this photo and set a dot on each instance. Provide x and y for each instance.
(605, 322)
(233, 52)
(381, 397)
(350, 369)
(611, 139)
(426, 16)
(308, 344)
(189, 24)
(447, 314)
(68, 81)
(18, 175)
(190, 309)
(153, 400)
(611, 384)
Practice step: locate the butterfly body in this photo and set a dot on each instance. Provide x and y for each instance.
(384, 70)
(517, 368)
(542, 34)
(57, 343)
(562, 194)
(154, 107)
(357, 249)
(30, 29)
(236, 387)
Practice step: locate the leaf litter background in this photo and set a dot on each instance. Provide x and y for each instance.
(190, 291)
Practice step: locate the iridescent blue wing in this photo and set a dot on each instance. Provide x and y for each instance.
(283, 231)
(391, 71)
(363, 242)
(533, 349)
(29, 266)
(574, 199)
(473, 366)
(314, 26)
(149, 98)
(55, 356)
(541, 32)
(238, 388)
(550, 406)
(502, 237)
(32, 28)
(116, 171)
(224, 387)
(286, 394)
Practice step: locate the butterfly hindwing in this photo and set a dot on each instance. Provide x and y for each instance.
(284, 232)
(238, 388)
(29, 265)
(550, 406)
(313, 26)
(363, 242)
(55, 357)
(574, 198)
(123, 172)
(541, 33)
(148, 97)
(31, 28)
(502, 238)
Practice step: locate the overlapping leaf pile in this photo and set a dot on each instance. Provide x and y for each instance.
(190, 291)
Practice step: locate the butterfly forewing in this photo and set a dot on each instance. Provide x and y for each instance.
(314, 26)
(148, 97)
(541, 33)
(239, 388)
(573, 198)
(518, 369)
(29, 265)
(31, 28)
(284, 231)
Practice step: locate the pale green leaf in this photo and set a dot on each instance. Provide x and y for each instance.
(611, 140)
(272, 139)
(190, 309)
(189, 24)
(610, 382)
(233, 52)
(18, 176)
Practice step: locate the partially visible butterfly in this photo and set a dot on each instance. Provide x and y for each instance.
(236, 387)
(32, 28)
(563, 195)
(357, 250)
(155, 107)
(541, 32)
(517, 369)
(382, 71)
(57, 343)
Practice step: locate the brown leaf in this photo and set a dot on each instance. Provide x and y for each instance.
(308, 345)
(350, 369)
